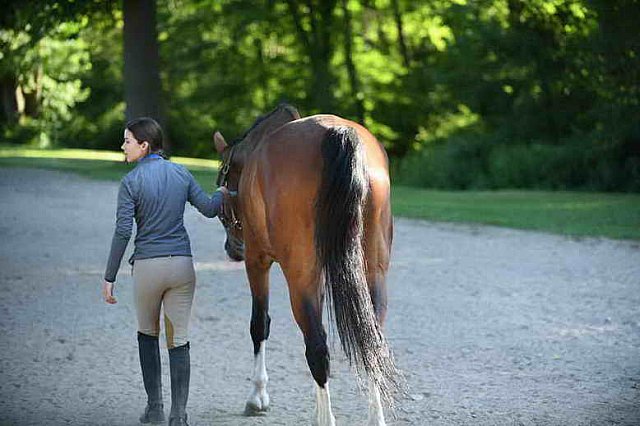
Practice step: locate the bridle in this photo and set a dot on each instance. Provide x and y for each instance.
(228, 215)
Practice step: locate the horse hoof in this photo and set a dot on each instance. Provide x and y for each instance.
(253, 410)
(257, 402)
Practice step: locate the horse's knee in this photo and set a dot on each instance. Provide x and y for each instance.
(317, 354)
(260, 322)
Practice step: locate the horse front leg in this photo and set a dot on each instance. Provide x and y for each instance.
(258, 273)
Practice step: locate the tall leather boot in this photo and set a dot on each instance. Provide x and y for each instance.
(150, 364)
(180, 365)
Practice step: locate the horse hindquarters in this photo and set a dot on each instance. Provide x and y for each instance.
(339, 234)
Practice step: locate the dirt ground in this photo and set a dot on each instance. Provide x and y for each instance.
(490, 326)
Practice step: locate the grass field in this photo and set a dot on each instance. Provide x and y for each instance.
(567, 213)
(104, 165)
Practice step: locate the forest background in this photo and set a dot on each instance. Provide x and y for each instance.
(468, 94)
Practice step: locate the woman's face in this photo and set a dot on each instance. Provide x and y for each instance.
(133, 150)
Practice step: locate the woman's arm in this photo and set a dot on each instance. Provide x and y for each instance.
(122, 233)
(208, 206)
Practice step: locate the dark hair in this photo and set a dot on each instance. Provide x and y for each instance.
(148, 129)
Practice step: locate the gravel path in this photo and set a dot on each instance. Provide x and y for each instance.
(491, 326)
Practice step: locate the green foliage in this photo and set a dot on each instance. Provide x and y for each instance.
(43, 62)
(554, 85)
(47, 74)
(471, 161)
(98, 120)
(463, 94)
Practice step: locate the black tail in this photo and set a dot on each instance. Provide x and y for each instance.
(338, 239)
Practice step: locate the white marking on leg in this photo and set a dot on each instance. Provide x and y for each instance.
(376, 415)
(324, 416)
(259, 398)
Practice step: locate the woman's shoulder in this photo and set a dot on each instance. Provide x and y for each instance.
(179, 168)
(131, 175)
(158, 167)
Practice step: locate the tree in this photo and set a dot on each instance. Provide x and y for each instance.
(41, 66)
(354, 81)
(141, 61)
(314, 24)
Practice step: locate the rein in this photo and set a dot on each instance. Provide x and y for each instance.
(228, 215)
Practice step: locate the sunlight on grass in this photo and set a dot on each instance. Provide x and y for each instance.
(86, 154)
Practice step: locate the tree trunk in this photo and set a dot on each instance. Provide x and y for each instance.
(351, 68)
(33, 99)
(404, 51)
(318, 47)
(141, 61)
(10, 110)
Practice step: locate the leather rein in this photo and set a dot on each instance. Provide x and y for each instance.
(228, 215)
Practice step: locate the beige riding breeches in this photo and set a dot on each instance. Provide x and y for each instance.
(169, 282)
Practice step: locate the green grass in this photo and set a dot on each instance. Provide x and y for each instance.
(103, 165)
(567, 213)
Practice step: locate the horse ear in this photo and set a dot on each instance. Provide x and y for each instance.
(219, 142)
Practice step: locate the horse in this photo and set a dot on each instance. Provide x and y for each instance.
(313, 194)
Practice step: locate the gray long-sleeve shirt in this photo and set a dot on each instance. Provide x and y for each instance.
(155, 193)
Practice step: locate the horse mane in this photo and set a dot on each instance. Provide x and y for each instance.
(261, 119)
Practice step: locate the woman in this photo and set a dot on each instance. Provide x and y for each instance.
(155, 193)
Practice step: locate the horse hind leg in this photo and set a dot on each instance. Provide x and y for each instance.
(324, 415)
(376, 414)
(308, 314)
(258, 399)
(377, 290)
(317, 354)
(377, 257)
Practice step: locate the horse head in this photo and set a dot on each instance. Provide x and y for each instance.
(234, 157)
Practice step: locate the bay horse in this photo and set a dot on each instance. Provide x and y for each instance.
(313, 194)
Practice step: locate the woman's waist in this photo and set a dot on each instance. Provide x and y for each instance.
(148, 250)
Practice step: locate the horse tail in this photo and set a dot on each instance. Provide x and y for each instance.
(340, 205)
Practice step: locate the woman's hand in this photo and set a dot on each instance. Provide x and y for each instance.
(224, 190)
(107, 293)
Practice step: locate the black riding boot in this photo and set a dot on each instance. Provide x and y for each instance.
(179, 362)
(150, 364)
